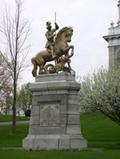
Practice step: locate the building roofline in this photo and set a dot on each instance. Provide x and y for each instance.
(110, 37)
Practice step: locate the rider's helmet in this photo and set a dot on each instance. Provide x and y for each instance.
(48, 23)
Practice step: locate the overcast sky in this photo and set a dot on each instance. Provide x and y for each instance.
(90, 20)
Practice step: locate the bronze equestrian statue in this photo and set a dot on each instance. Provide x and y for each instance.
(58, 51)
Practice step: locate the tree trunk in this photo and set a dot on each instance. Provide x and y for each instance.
(14, 101)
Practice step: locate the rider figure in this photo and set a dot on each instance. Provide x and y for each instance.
(50, 34)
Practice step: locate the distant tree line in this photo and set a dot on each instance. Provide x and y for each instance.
(24, 100)
(5, 84)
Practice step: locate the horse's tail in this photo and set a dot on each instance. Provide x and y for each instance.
(33, 60)
(34, 71)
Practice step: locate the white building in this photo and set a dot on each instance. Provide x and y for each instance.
(113, 39)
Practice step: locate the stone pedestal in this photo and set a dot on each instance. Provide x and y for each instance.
(55, 122)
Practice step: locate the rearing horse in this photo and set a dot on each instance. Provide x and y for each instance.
(61, 47)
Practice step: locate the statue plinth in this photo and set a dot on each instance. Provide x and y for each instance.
(55, 122)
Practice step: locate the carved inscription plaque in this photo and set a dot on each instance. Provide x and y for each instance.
(49, 114)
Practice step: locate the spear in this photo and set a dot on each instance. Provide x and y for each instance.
(55, 22)
(55, 17)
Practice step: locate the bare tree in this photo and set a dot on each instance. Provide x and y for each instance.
(16, 32)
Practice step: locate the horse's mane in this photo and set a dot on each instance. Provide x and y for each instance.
(60, 32)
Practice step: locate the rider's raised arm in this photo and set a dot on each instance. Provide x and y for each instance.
(56, 28)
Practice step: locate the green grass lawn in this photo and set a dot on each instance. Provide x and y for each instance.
(5, 118)
(7, 139)
(107, 154)
(99, 131)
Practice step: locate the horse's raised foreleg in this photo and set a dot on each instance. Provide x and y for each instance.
(69, 55)
(66, 50)
(72, 51)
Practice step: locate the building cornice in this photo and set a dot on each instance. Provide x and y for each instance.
(111, 37)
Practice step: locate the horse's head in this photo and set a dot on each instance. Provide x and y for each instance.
(64, 34)
(69, 33)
